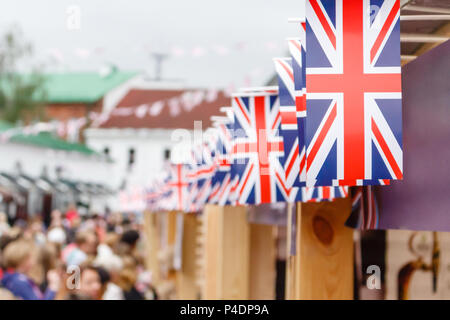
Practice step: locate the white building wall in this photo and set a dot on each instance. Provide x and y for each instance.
(149, 146)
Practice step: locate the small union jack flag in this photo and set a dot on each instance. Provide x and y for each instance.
(353, 132)
(178, 184)
(294, 149)
(158, 191)
(221, 180)
(365, 214)
(258, 149)
(201, 171)
(318, 194)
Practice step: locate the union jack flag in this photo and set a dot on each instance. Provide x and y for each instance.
(201, 171)
(258, 149)
(294, 149)
(365, 213)
(158, 190)
(221, 181)
(298, 54)
(178, 184)
(297, 49)
(318, 194)
(353, 131)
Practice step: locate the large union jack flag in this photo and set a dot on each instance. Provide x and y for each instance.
(353, 131)
(258, 149)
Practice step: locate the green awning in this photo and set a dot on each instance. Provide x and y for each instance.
(78, 87)
(45, 140)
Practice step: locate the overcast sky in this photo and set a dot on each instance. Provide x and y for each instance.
(211, 42)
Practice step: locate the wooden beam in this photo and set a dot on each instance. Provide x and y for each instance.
(151, 246)
(407, 58)
(324, 266)
(442, 31)
(262, 262)
(290, 259)
(297, 260)
(187, 288)
(410, 7)
(212, 216)
(423, 37)
(227, 254)
(171, 237)
(425, 17)
(236, 253)
(166, 230)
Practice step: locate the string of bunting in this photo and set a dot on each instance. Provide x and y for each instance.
(186, 101)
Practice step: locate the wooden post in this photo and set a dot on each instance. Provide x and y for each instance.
(227, 254)
(171, 237)
(290, 262)
(165, 230)
(151, 246)
(324, 262)
(262, 262)
(187, 288)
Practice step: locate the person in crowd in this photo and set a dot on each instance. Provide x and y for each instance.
(49, 260)
(57, 235)
(83, 284)
(72, 214)
(108, 260)
(90, 283)
(127, 279)
(35, 231)
(85, 245)
(18, 260)
(78, 257)
(4, 226)
(128, 242)
(6, 294)
(56, 219)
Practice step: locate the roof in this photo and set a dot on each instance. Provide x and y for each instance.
(166, 119)
(45, 140)
(77, 87)
(82, 87)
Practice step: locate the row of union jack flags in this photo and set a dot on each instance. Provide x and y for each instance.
(333, 121)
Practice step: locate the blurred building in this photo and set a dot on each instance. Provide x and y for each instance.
(141, 130)
(69, 98)
(40, 172)
(75, 94)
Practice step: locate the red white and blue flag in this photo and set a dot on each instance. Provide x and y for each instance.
(353, 130)
(202, 168)
(258, 149)
(178, 184)
(365, 213)
(318, 194)
(294, 148)
(222, 178)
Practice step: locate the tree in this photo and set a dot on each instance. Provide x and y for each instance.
(21, 95)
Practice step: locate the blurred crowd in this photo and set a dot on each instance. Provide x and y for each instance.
(98, 257)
